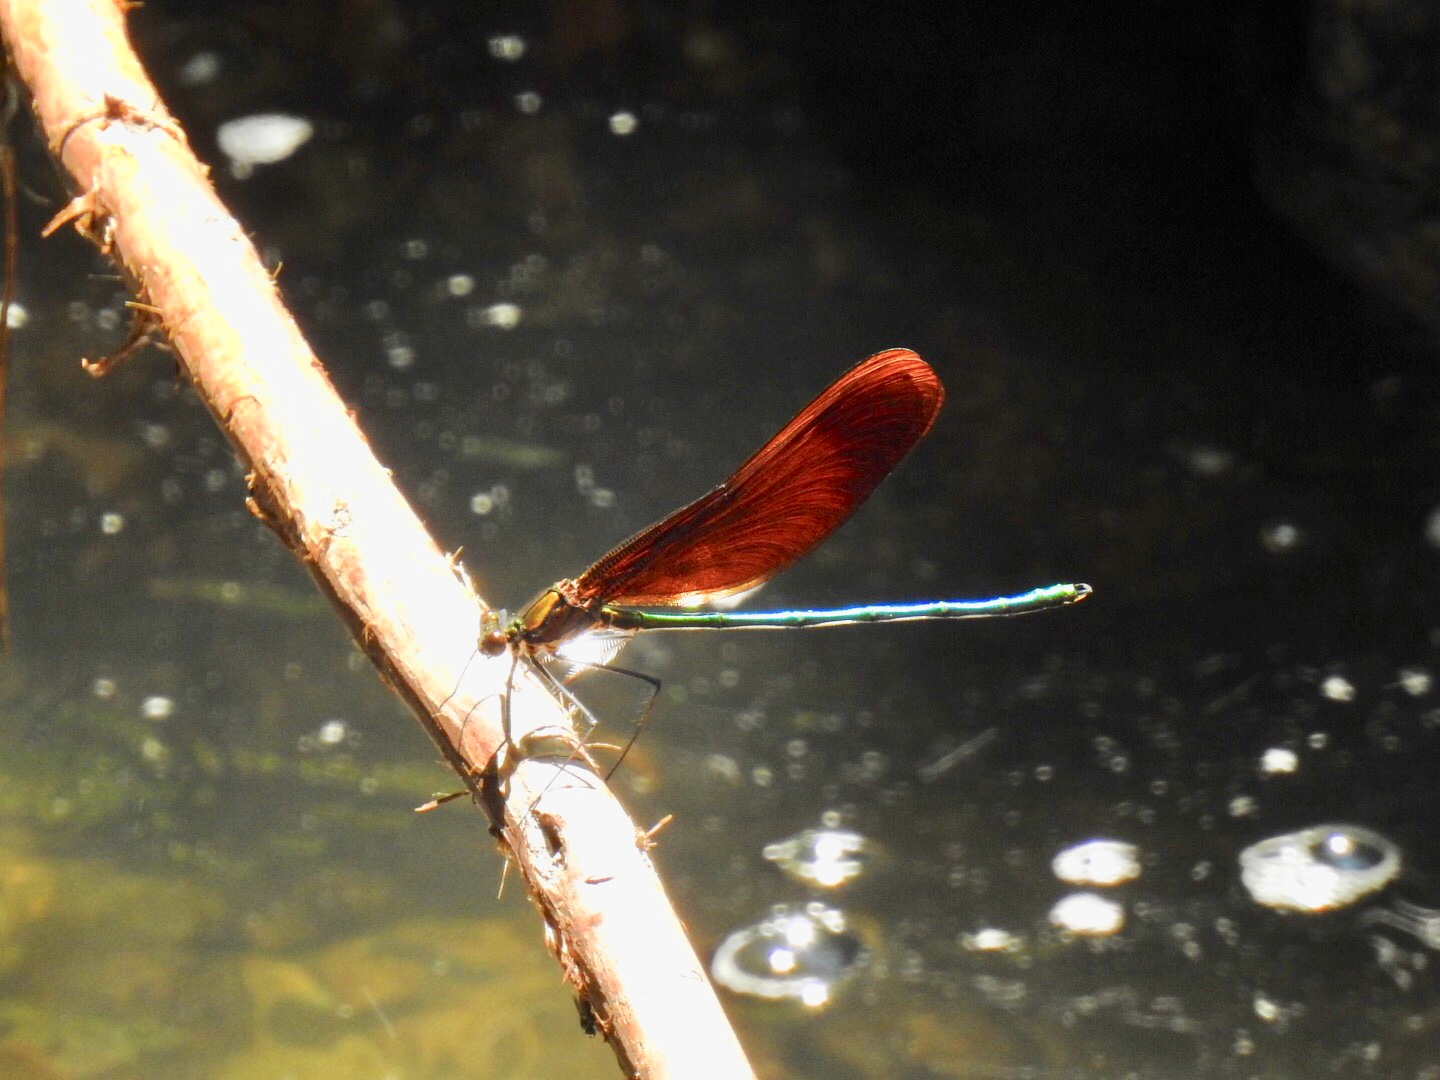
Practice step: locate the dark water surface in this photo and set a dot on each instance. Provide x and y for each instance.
(571, 265)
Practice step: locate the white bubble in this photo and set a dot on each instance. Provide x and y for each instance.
(1088, 913)
(528, 102)
(623, 123)
(502, 316)
(1277, 760)
(824, 857)
(157, 707)
(1337, 688)
(990, 939)
(112, 523)
(1243, 806)
(16, 317)
(1318, 869)
(793, 955)
(103, 688)
(1281, 537)
(262, 139)
(814, 994)
(400, 357)
(1097, 862)
(1209, 461)
(1416, 681)
(201, 68)
(459, 284)
(507, 47)
(721, 767)
(333, 732)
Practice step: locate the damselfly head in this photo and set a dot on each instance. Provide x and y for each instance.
(493, 638)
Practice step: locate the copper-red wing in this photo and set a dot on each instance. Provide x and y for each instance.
(791, 494)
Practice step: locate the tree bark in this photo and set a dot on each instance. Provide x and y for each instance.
(147, 202)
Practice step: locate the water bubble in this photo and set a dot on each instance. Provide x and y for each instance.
(623, 123)
(1337, 688)
(1281, 537)
(201, 68)
(460, 284)
(824, 857)
(157, 707)
(262, 139)
(332, 732)
(799, 956)
(1088, 913)
(1243, 806)
(722, 767)
(528, 102)
(502, 316)
(1416, 682)
(507, 47)
(1209, 461)
(103, 688)
(1277, 760)
(112, 523)
(1318, 869)
(1097, 862)
(991, 939)
(16, 317)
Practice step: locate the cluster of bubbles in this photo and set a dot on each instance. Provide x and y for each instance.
(800, 953)
(803, 953)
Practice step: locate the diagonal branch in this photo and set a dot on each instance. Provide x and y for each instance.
(147, 202)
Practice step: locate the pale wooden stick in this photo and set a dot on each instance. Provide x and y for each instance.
(146, 200)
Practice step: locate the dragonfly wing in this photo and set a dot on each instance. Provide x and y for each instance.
(791, 493)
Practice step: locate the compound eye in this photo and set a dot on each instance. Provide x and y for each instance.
(494, 643)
